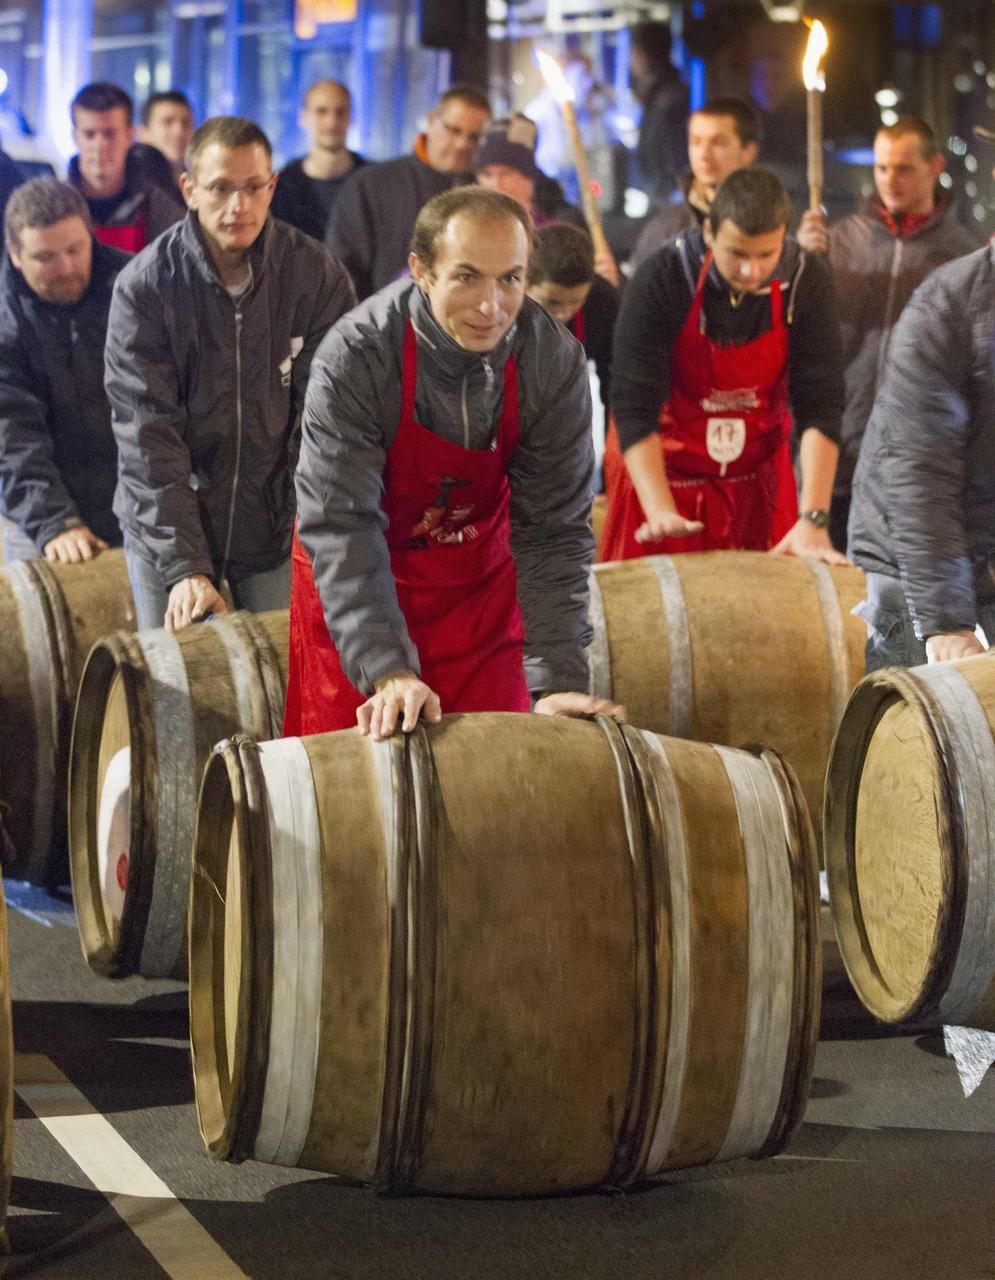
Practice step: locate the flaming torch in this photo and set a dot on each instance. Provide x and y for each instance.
(815, 83)
(563, 93)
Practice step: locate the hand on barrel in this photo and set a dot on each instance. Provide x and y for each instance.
(578, 705)
(400, 696)
(191, 599)
(72, 546)
(952, 645)
(804, 539)
(667, 524)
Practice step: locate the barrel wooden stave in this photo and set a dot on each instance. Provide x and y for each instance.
(542, 1001)
(49, 616)
(167, 699)
(909, 836)
(735, 648)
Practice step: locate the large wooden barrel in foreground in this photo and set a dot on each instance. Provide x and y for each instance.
(507, 955)
(6, 1078)
(737, 647)
(151, 706)
(50, 615)
(910, 842)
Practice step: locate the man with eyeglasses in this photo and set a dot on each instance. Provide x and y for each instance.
(210, 339)
(371, 222)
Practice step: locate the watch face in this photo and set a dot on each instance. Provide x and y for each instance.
(819, 518)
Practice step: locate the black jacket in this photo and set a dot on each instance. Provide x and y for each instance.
(924, 491)
(875, 274)
(58, 459)
(298, 199)
(350, 422)
(206, 396)
(142, 197)
(372, 219)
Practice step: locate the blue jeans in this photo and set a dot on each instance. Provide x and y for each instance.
(17, 545)
(891, 638)
(259, 592)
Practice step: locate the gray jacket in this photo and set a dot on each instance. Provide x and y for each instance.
(350, 420)
(875, 274)
(206, 395)
(924, 491)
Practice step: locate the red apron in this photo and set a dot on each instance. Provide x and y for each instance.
(449, 538)
(724, 435)
(130, 237)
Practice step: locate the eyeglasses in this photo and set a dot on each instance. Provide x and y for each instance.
(222, 192)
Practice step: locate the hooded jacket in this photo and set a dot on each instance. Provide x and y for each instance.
(875, 273)
(924, 491)
(58, 459)
(206, 394)
(350, 420)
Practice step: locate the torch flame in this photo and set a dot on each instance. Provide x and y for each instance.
(815, 51)
(552, 73)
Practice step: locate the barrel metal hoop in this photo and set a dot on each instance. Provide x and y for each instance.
(240, 646)
(268, 665)
(599, 662)
(178, 782)
(680, 699)
(834, 631)
(391, 764)
(807, 959)
(47, 699)
(62, 632)
(631, 1137)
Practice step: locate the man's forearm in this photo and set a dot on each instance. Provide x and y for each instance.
(644, 461)
(818, 456)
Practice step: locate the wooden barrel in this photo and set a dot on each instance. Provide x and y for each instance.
(50, 615)
(910, 842)
(505, 955)
(151, 706)
(736, 647)
(6, 1078)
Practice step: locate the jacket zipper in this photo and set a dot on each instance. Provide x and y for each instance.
(896, 262)
(238, 437)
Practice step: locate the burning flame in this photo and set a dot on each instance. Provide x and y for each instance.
(552, 73)
(815, 51)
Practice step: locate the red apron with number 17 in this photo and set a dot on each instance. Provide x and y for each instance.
(450, 553)
(724, 435)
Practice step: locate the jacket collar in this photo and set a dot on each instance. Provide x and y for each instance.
(442, 353)
(192, 239)
(909, 226)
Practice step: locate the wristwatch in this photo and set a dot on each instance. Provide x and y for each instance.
(817, 516)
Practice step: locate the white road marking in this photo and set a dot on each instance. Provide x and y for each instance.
(172, 1235)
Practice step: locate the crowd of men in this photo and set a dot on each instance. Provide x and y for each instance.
(362, 390)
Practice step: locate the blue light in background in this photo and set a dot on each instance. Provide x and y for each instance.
(696, 83)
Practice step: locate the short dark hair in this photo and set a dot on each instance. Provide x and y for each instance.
(101, 95)
(744, 115)
(563, 254)
(171, 96)
(754, 200)
(464, 93)
(917, 127)
(226, 131)
(41, 202)
(475, 202)
(653, 39)
(328, 84)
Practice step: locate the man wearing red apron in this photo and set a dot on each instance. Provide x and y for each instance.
(443, 493)
(734, 332)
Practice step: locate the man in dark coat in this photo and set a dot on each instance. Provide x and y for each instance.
(211, 334)
(58, 460)
(372, 220)
(661, 149)
(307, 187)
(878, 257)
(922, 523)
